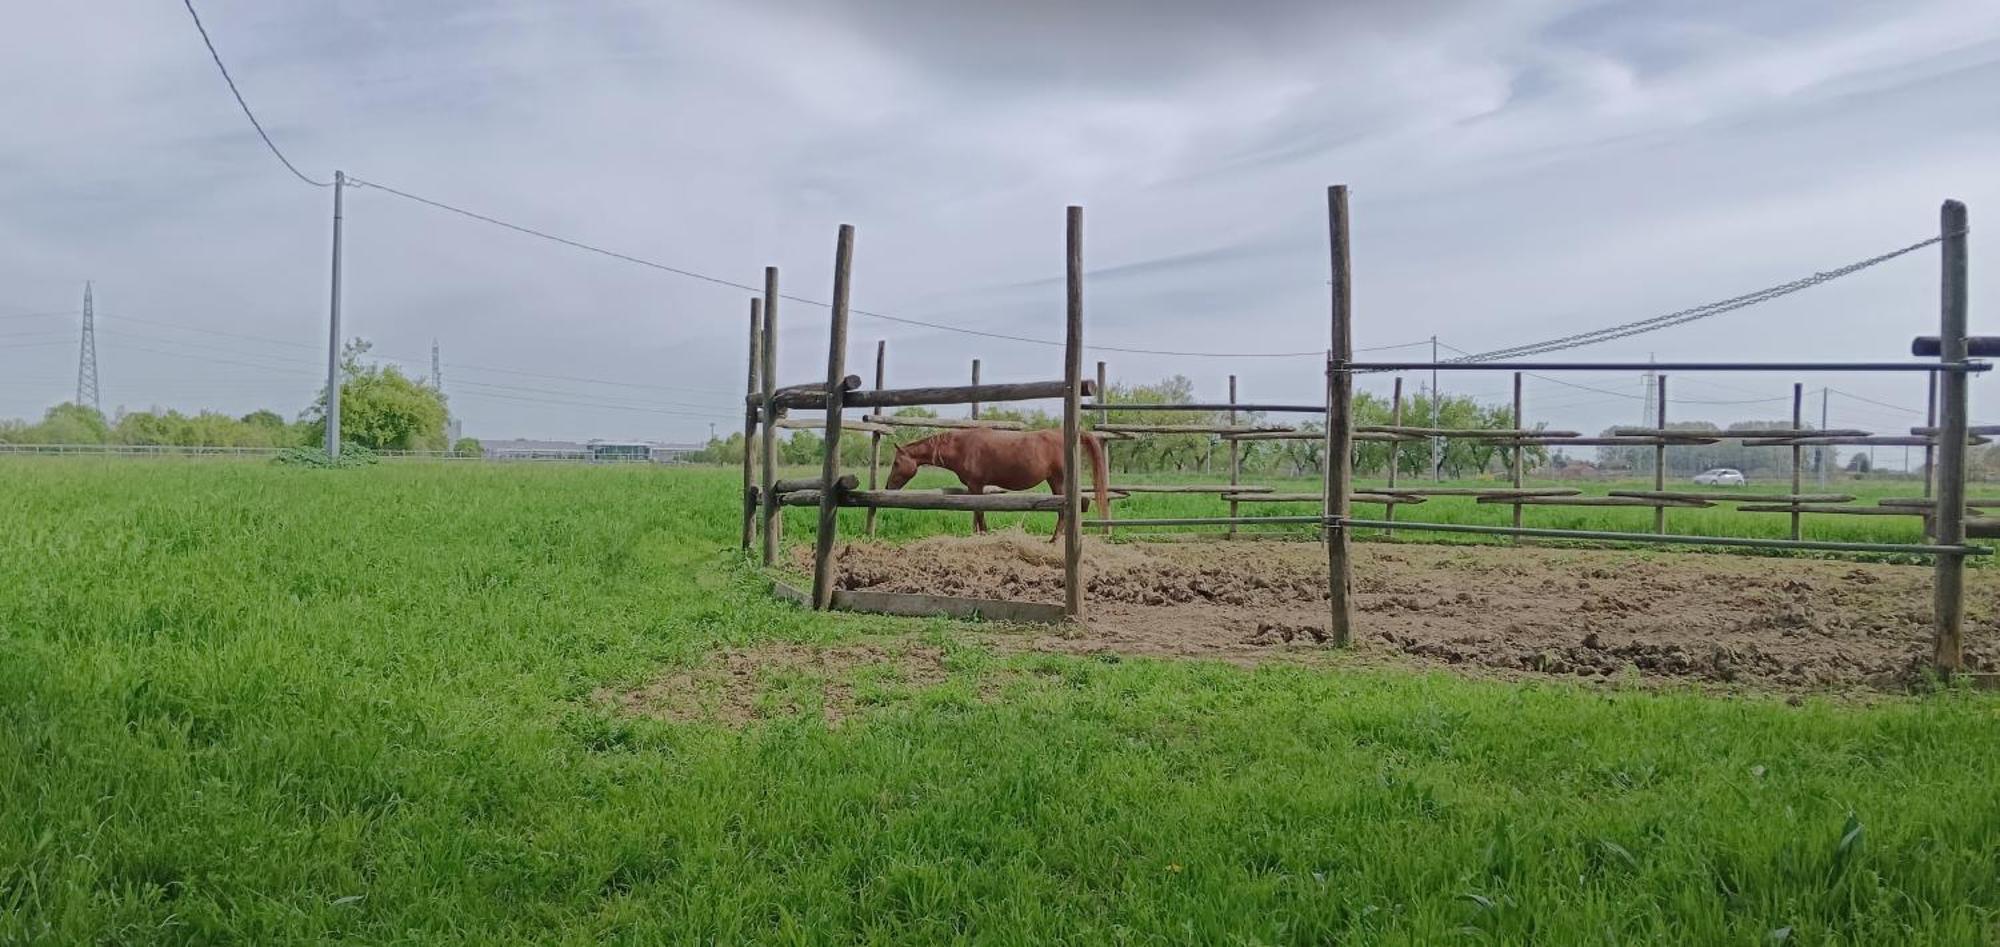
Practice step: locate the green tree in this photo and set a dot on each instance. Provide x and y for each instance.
(468, 447)
(69, 423)
(380, 407)
(802, 449)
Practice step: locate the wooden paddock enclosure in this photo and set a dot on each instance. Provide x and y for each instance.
(1947, 516)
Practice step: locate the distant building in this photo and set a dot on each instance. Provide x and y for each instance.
(593, 451)
(525, 449)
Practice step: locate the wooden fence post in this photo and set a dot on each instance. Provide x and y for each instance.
(1103, 417)
(1339, 425)
(1072, 517)
(1235, 456)
(975, 381)
(1798, 453)
(1948, 515)
(1520, 424)
(774, 518)
(751, 496)
(836, 371)
(1660, 458)
(1395, 450)
(875, 439)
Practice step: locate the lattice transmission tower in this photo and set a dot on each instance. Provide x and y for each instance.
(86, 357)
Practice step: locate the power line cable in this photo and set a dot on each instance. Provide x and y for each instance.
(252, 116)
(1893, 407)
(1694, 313)
(806, 300)
(39, 333)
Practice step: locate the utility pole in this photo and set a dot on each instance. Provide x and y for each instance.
(437, 366)
(1826, 456)
(1648, 412)
(333, 330)
(86, 357)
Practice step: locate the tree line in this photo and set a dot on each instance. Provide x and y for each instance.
(381, 408)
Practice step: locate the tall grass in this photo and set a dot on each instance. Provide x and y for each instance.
(247, 704)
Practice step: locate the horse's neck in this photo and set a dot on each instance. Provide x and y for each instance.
(937, 451)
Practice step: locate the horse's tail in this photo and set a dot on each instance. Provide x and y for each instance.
(1100, 475)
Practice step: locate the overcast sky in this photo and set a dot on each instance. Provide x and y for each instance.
(1518, 171)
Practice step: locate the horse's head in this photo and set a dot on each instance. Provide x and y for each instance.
(904, 466)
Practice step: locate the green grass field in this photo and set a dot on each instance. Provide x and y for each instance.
(247, 704)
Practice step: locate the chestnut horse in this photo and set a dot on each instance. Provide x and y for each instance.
(1010, 460)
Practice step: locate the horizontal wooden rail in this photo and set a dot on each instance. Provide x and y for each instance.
(890, 420)
(1723, 496)
(1206, 521)
(819, 424)
(1185, 488)
(989, 503)
(1476, 491)
(958, 394)
(1596, 501)
(1472, 433)
(1971, 503)
(1361, 497)
(1270, 408)
(1925, 549)
(1617, 441)
(804, 396)
(1195, 429)
(1769, 434)
(1879, 440)
(1312, 436)
(1113, 493)
(1832, 508)
(1977, 430)
(1977, 346)
(846, 482)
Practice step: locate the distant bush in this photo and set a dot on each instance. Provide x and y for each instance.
(468, 447)
(351, 455)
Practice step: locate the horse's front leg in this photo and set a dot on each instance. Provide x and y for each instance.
(978, 516)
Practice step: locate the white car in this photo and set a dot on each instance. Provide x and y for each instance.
(1721, 477)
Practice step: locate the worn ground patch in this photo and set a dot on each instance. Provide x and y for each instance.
(740, 686)
(1783, 622)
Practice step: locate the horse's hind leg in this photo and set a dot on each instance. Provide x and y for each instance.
(1056, 488)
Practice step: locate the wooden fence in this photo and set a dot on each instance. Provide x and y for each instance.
(1949, 518)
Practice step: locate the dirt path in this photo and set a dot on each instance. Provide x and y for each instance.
(1574, 613)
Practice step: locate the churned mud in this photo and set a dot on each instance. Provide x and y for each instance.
(1792, 623)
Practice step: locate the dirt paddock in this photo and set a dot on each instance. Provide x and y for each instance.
(1790, 623)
